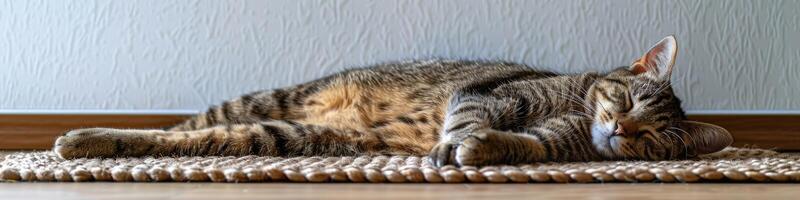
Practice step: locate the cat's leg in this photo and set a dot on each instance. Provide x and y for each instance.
(561, 138)
(278, 104)
(269, 138)
(475, 116)
(483, 129)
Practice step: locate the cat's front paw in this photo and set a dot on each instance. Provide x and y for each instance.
(443, 153)
(93, 142)
(484, 148)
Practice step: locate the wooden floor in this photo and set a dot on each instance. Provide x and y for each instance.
(197, 191)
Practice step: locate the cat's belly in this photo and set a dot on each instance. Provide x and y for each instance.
(402, 121)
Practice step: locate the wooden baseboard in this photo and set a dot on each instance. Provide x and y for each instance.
(38, 131)
(781, 132)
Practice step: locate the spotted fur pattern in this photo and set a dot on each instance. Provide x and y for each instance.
(458, 112)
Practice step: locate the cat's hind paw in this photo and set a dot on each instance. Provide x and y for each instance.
(98, 142)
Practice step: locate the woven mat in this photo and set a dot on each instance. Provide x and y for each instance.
(729, 165)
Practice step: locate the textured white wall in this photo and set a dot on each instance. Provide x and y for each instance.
(186, 55)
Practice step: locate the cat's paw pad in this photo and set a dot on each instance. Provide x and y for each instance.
(91, 142)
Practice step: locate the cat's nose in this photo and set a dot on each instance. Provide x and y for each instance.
(626, 128)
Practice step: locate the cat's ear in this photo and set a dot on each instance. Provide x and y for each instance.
(657, 62)
(706, 138)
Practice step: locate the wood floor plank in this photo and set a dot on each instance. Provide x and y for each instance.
(201, 191)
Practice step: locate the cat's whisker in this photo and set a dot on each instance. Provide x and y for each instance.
(685, 145)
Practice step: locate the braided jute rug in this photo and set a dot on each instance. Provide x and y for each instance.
(729, 165)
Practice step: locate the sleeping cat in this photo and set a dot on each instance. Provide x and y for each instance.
(457, 112)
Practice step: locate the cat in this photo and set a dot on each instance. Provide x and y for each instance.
(456, 112)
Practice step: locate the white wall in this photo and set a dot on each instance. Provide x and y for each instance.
(185, 55)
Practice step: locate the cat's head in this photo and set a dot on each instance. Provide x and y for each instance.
(637, 115)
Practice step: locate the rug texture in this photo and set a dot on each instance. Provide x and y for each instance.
(729, 165)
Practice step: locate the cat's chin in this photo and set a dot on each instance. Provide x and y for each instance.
(602, 139)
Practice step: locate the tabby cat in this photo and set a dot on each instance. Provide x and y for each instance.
(457, 112)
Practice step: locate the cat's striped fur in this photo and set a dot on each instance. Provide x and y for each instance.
(458, 112)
